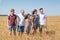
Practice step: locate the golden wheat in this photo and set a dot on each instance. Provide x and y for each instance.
(53, 24)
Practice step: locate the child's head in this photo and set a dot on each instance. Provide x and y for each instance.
(34, 12)
(12, 11)
(31, 17)
(41, 10)
(27, 16)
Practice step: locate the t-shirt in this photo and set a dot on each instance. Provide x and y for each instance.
(42, 19)
(12, 19)
(20, 19)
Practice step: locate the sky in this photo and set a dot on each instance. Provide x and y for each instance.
(51, 7)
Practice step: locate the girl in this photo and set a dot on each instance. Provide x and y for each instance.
(27, 24)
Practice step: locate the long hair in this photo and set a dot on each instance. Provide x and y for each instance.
(35, 10)
(27, 16)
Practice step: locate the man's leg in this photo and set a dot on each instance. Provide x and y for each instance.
(22, 29)
(19, 30)
(14, 30)
(40, 28)
(10, 28)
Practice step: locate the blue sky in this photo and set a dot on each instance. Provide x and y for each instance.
(51, 7)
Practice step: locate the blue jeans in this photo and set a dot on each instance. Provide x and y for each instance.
(12, 28)
(20, 28)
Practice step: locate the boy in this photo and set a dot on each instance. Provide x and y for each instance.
(12, 22)
(43, 20)
(21, 22)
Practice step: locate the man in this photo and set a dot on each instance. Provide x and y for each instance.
(43, 20)
(21, 22)
(12, 22)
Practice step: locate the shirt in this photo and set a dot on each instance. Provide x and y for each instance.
(20, 19)
(42, 19)
(12, 19)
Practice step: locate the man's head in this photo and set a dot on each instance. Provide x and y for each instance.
(41, 10)
(12, 11)
(22, 12)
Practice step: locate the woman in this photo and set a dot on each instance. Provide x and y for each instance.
(35, 21)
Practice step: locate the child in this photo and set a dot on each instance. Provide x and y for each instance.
(12, 22)
(27, 24)
(43, 20)
(35, 21)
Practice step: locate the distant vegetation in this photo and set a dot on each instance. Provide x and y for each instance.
(3, 15)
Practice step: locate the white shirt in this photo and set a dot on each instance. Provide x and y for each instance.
(20, 19)
(42, 19)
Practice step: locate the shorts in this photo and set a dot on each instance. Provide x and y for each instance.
(20, 28)
(12, 28)
(40, 28)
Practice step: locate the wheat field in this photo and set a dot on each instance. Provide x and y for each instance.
(53, 25)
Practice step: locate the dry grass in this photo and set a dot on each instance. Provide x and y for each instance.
(53, 24)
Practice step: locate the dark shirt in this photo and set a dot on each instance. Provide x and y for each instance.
(12, 19)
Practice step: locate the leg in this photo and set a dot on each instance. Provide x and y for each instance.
(10, 28)
(45, 27)
(34, 30)
(14, 30)
(28, 31)
(22, 29)
(40, 28)
(19, 30)
(10, 33)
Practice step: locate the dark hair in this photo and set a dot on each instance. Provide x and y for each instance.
(12, 10)
(40, 8)
(27, 16)
(35, 10)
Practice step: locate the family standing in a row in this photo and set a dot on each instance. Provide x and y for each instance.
(23, 24)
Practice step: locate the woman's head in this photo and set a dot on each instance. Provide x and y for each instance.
(27, 16)
(34, 12)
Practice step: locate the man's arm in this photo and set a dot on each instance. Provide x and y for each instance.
(45, 22)
(8, 21)
(16, 21)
